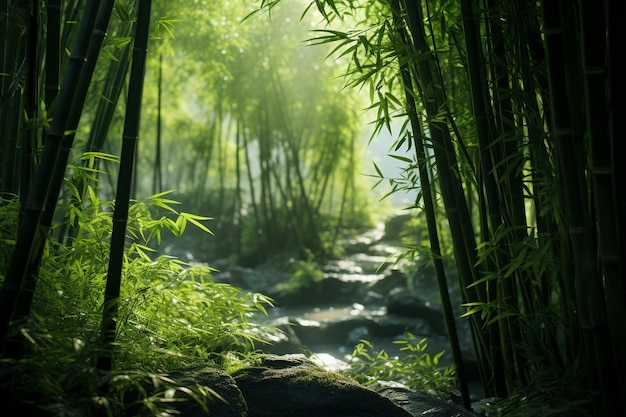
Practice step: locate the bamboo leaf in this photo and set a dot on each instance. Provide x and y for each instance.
(195, 220)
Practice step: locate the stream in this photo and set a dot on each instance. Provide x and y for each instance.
(352, 302)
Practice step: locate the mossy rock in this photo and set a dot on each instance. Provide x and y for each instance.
(224, 400)
(291, 385)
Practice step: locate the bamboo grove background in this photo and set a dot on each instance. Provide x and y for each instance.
(508, 116)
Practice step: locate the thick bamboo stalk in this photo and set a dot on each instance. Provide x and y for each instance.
(582, 238)
(617, 108)
(30, 237)
(53, 51)
(122, 198)
(602, 163)
(13, 66)
(617, 66)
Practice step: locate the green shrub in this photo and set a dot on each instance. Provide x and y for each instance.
(416, 369)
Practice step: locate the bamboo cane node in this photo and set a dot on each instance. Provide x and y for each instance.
(596, 70)
(601, 170)
(610, 259)
(563, 131)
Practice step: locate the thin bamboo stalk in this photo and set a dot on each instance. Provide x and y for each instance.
(453, 195)
(122, 198)
(31, 137)
(542, 174)
(118, 69)
(429, 210)
(488, 146)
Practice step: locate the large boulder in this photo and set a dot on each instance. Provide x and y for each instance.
(294, 385)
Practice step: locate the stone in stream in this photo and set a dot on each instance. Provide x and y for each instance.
(404, 302)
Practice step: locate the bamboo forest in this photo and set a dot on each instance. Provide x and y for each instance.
(174, 174)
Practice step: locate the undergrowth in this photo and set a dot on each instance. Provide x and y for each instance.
(416, 369)
(171, 314)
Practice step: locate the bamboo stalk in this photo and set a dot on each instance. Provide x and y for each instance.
(111, 91)
(127, 161)
(31, 238)
(31, 137)
(488, 151)
(53, 51)
(157, 178)
(453, 196)
(429, 210)
(617, 30)
(602, 162)
(582, 239)
(11, 104)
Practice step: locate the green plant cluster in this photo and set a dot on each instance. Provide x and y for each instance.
(9, 216)
(417, 369)
(303, 274)
(171, 313)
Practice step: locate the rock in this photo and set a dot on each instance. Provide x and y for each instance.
(294, 386)
(396, 225)
(226, 399)
(404, 302)
(419, 403)
(376, 292)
